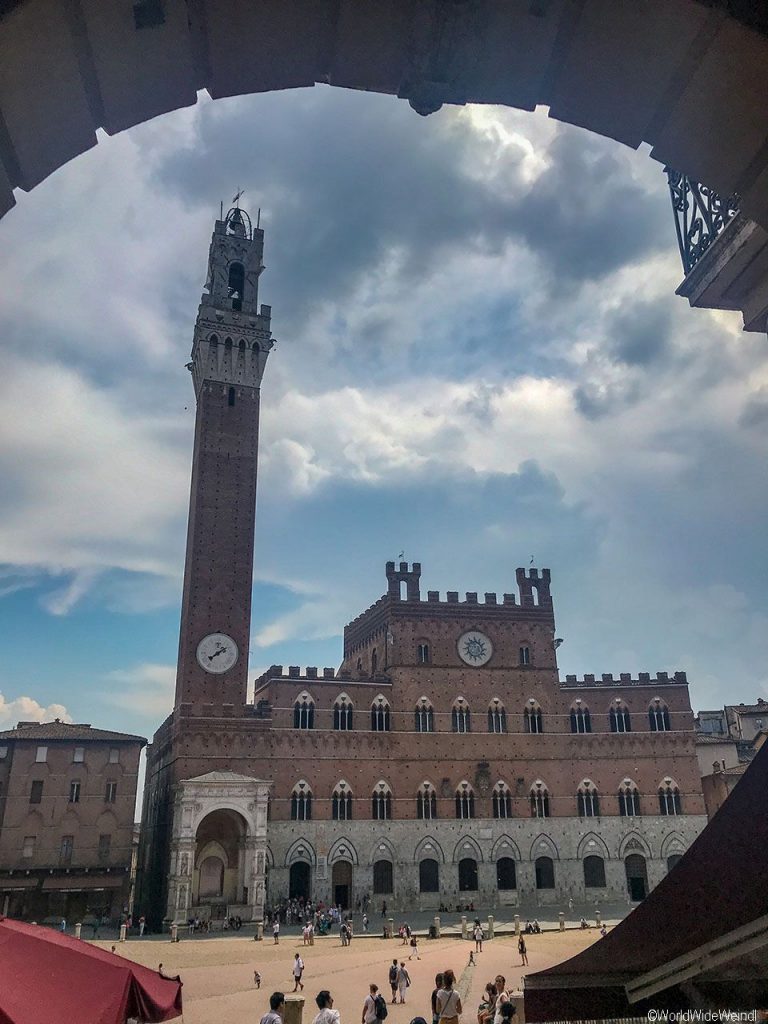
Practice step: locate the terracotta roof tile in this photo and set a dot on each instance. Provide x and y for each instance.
(64, 731)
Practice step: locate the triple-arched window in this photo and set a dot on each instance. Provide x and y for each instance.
(658, 716)
(304, 712)
(618, 717)
(381, 802)
(501, 800)
(497, 716)
(580, 717)
(532, 718)
(380, 718)
(341, 802)
(465, 801)
(460, 715)
(669, 798)
(343, 710)
(588, 800)
(539, 800)
(426, 802)
(301, 802)
(424, 716)
(629, 799)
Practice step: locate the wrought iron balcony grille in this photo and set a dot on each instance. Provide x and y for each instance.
(700, 215)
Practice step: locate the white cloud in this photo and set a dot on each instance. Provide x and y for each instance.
(27, 709)
(145, 689)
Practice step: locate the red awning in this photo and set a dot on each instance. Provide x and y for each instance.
(47, 977)
(716, 891)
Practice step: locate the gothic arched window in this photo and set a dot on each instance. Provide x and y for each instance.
(422, 652)
(588, 800)
(380, 715)
(304, 712)
(658, 716)
(465, 801)
(539, 800)
(502, 801)
(460, 716)
(669, 798)
(341, 802)
(343, 709)
(497, 716)
(426, 802)
(381, 802)
(301, 802)
(425, 718)
(236, 285)
(580, 718)
(532, 718)
(629, 800)
(525, 656)
(618, 717)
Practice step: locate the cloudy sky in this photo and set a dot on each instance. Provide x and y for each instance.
(480, 360)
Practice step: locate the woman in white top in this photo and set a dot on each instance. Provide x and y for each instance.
(327, 1013)
(501, 998)
(448, 1001)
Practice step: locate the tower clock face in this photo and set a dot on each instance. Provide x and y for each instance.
(475, 648)
(217, 653)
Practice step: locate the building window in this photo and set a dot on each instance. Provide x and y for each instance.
(497, 716)
(545, 873)
(468, 875)
(342, 713)
(506, 875)
(619, 719)
(374, 662)
(588, 801)
(465, 802)
(539, 801)
(460, 716)
(658, 716)
(79, 755)
(380, 715)
(382, 877)
(429, 875)
(594, 872)
(629, 800)
(425, 718)
(532, 718)
(301, 802)
(381, 803)
(669, 799)
(525, 656)
(341, 803)
(36, 793)
(74, 792)
(426, 803)
(304, 712)
(105, 842)
(580, 719)
(423, 654)
(42, 755)
(110, 792)
(114, 755)
(67, 846)
(28, 849)
(501, 801)
(236, 285)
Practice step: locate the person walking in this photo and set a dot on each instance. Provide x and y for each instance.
(522, 949)
(403, 980)
(276, 1009)
(276, 930)
(414, 948)
(327, 1014)
(369, 1006)
(435, 990)
(502, 996)
(393, 979)
(298, 970)
(257, 979)
(448, 1000)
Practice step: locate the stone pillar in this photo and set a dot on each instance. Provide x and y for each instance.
(390, 928)
(437, 927)
(174, 932)
(294, 1008)
(490, 926)
(6, 904)
(561, 915)
(463, 926)
(78, 929)
(122, 933)
(598, 918)
(259, 931)
(517, 924)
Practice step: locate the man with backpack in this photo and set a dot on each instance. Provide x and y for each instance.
(393, 969)
(374, 1007)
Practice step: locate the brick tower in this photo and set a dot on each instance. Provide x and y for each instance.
(231, 342)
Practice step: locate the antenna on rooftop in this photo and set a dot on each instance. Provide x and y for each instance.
(221, 209)
(258, 217)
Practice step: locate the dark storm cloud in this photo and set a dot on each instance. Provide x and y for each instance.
(352, 183)
(755, 411)
(640, 334)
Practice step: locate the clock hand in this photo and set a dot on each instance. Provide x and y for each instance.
(221, 650)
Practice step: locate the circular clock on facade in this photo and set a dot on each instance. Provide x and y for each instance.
(475, 648)
(217, 653)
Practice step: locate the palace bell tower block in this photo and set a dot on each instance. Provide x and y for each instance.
(231, 343)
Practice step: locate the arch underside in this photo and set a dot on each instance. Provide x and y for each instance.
(686, 77)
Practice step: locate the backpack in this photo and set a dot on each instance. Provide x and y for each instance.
(393, 975)
(381, 1007)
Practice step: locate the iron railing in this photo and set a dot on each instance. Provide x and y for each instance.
(700, 215)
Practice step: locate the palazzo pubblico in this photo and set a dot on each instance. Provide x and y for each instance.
(444, 762)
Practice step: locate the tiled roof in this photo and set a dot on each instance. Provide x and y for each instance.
(64, 731)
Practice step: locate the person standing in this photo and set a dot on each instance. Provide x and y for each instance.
(327, 1014)
(365, 923)
(393, 979)
(403, 980)
(298, 970)
(478, 936)
(369, 1006)
(414, 948)
(383, 908)
(435, 990)
(502, 996)
(448, 1001)
(257, 979)
(276, 1009)
(522, 949)
(276, 930)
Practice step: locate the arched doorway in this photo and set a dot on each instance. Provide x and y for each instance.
(467, 874)
(429, 875)
(219, 864)
(300, 880)
(341, 883)
(637, 876)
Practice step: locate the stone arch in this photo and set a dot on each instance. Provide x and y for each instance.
(428, 848)
(671, 844)
(467, 847)
(592, 845)
(269, 857)
(384, 850)
(212, 848)
(106, 821)
(505, 846)
(300, 849)
(634, 843)
(343, 849)
(243, 809)
(543, 846)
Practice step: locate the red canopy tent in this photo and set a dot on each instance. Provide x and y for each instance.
(47, 978)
